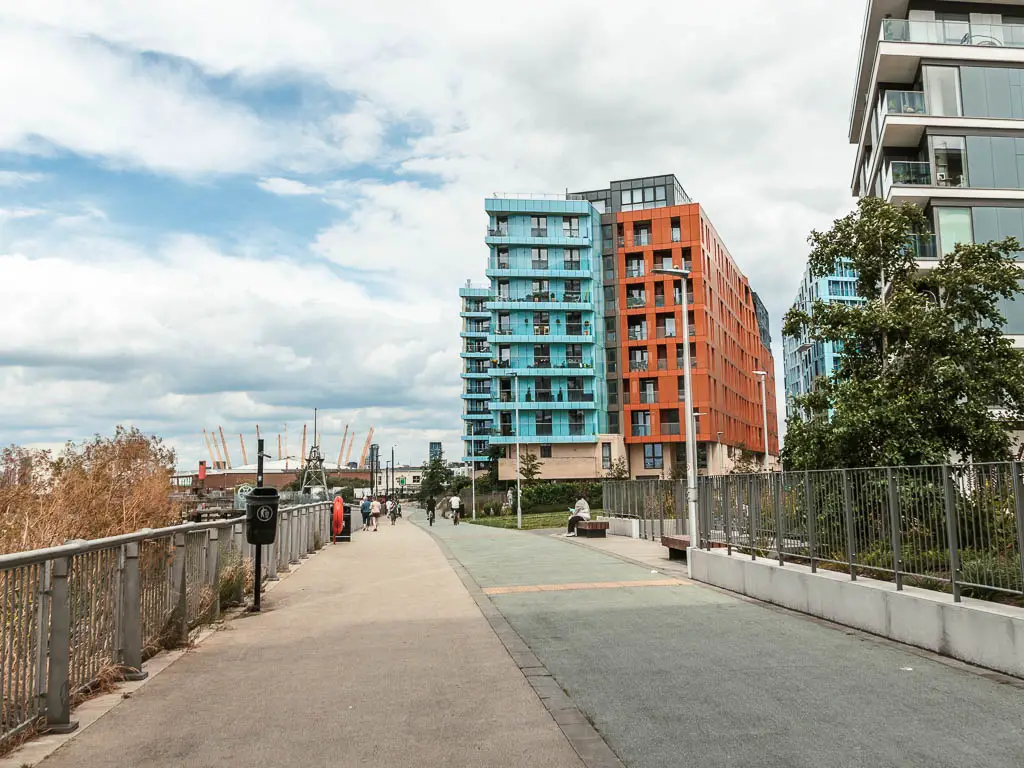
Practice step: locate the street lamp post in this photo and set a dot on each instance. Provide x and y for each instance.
(763, 375)
(519, 495)
(691, 445)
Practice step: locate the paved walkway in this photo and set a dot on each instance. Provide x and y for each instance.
(688, 675)
(386, 652)
(370, 654)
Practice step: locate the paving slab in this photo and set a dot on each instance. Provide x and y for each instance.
(372, 654)
(689, 675)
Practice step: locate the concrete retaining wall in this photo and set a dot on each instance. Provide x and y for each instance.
(974, 631)
(622, 526)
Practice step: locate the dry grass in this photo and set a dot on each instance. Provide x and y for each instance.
(104, 487)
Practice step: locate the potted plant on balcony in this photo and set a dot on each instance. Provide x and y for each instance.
(552, 296)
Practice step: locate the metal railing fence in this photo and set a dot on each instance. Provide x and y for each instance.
(956, 527)
(70, 613)
(658, 505)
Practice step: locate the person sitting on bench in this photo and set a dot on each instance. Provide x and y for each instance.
(579, 513)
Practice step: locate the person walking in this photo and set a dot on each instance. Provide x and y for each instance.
(364, 510)
(580, 513)
(455, 503)
(390, 505)
(375, 512)
(431, 507)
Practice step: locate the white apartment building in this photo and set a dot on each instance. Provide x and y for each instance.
(938, 120)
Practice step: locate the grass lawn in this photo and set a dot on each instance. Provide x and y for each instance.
(530, 521)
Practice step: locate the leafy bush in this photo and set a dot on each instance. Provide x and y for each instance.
(558, 496)
(988, 568)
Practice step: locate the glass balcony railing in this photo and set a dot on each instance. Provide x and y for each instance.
(559, 429)
(635, 302)
(662, 364)
(497, 231)
(538, 232)
(635, 271)
(525, 361)
(570, 265)
(572, 297)
(670, 428)
(638, 365)
(641, 430)
(637, 334)
(641, 237)
(908, 173)
(676, 235)
(659, 300)
(648, 397)
(535, 264)
(953, 33)
(905, 103)
(924, 247)
(666, 333)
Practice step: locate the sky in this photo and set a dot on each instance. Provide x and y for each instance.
(226, 214)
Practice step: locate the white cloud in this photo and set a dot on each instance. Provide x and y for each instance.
(748, 109)
(278, 186)
(19, 178)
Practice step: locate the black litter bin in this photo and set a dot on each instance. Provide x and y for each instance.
(261, 516)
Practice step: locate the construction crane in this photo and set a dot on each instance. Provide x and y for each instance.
(366, 449)
(209, 447)
(241, 440)
(302, 456)
(344, 439)
(351, 443)
(216, 448)
(225, 444)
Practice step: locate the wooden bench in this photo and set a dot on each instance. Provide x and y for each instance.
(592, 529)
(677, 546)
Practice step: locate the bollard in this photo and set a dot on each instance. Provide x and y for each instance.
(132, 615)
(213, 570)
(58, 698)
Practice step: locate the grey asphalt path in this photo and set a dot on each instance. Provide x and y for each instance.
(371, 654)
(687, 675)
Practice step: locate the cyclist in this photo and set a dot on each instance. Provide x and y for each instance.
(455, 503)
(431, 506)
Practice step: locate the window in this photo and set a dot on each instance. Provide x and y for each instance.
(641, 423)
(570, 226)
(571, 258)
(942, 90)
(500, 226)
(415, 479)
(613, 393)
(677, 233)
(609, 267)
(954, 226)
(653, 457)
(503, 258)
(606, 233)
(545, 451)
(948, 159)
(543, 421)
(539, 258)
(613, 422)
(538, 226)
(577, 423)
(606, 455)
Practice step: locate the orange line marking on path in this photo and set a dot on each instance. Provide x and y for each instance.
(583, 585)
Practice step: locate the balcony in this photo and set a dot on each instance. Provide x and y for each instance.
(636, 302)
(541, 330)
(538, 231)
(497, 231)
(677, 236)
(662, 364)
(953, 33)
(680, 364)
(638, 365)
(641, 237)
(536, 264)
(671, 428)
(637, 334)
(567, 232)
(558, 432)
(905, 103)
(666, 333)
(647, 397)
(659, 300)
(924, 247)
(634, 271)
(620, 242)
(641, 430)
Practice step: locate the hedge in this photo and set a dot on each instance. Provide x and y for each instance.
(561, 495)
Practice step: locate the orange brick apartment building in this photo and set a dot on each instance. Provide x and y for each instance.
(650, 223)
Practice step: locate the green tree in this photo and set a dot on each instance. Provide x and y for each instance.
(530, 467)
(619, 470)
(494, 455)
(437, 479)
(925, 370)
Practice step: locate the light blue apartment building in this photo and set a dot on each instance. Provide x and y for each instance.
(806, 360)
(533, 339)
